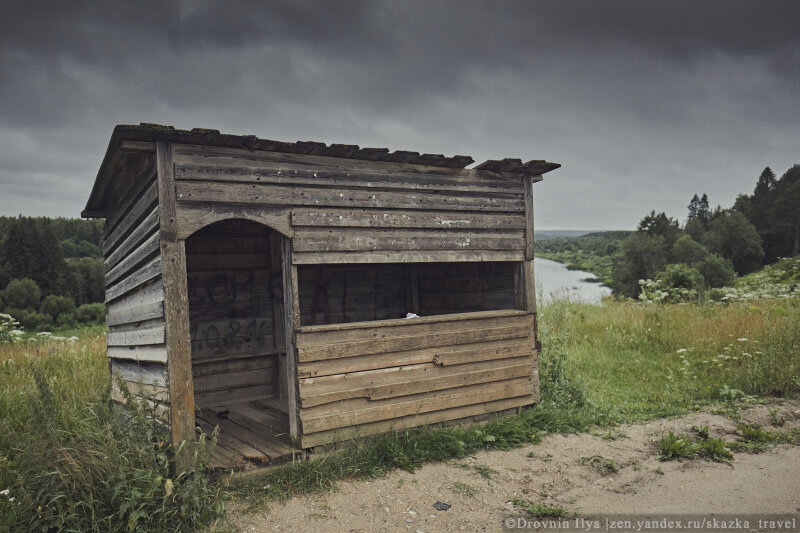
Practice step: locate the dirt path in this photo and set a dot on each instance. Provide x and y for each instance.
(479, 488)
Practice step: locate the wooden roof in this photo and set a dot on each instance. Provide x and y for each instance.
(113, 164)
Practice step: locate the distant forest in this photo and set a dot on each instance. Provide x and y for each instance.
(710, 250)
(51, 271)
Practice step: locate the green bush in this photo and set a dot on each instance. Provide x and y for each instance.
(56, 306)
(681, 276)
(689, 251)
(32, 321)
(717, 271)
(91, 313)
(22, 294)
(66, 320)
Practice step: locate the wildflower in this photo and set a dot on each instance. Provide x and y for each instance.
(5, 492)
(682, 350)
(742, 339)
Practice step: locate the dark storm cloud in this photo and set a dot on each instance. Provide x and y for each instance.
(643, 102)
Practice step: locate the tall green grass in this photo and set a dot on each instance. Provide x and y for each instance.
(638, 361)
(70, 461)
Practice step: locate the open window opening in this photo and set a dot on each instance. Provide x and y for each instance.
(237, 337)
(334, 294)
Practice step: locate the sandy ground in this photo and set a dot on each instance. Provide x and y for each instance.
(551, 473)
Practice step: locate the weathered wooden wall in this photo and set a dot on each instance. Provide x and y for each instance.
(366, 378)
(134, 289)
(356, 211)
(234, 292)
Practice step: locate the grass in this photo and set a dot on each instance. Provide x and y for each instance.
(602, 465)
(70, 462)
(539, 510)
(751, 439)
(464, 489)
(636, 362)
(65, 450)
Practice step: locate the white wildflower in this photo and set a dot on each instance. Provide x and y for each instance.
(742, 339)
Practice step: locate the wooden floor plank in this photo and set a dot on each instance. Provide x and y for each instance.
(246, 451)
(254, 432)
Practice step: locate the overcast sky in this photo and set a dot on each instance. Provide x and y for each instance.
(643, 103)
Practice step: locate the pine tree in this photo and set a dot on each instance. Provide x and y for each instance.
(704, 211)
(694, 207)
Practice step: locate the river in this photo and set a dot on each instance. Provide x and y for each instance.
(555, 281)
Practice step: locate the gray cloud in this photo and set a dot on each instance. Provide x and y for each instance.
(643, 103)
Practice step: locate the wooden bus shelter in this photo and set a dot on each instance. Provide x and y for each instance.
(264, 287)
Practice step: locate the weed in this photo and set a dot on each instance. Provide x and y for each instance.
(701, 432)
(486, 472)
(754, 433)
(462, 488)
(674, 447)
(601, 464)
(775, 419)
(659, 470)
(538, 510)
(613, 435)
(715, 450)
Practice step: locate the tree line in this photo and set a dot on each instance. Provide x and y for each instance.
(714, 245)
(51, 271)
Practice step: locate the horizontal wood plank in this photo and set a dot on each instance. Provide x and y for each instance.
(232, 380)
(423, 378)
(137, 278)
(259, 362)
(381, 329)
(144, 251)
(237, 395)
(155, 353)
(148, 373)
(373, 218)
(135, 313)
(237, 170)
(410, 421)
(146, 228)
(435, 401)
(223, 156)
(137, 337)
(243, 193)
(359, 239)
(143, 205)
(405, 256)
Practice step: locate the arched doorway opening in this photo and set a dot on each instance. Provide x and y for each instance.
(237, 331)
